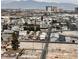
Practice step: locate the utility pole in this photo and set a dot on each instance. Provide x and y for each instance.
(45, 50)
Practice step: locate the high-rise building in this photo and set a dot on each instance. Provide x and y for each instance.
(76, 9)
(48, 8)
(54, 9)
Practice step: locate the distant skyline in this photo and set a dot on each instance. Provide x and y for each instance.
(50, 1)
(38, 4)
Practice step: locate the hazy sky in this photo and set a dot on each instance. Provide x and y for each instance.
(58, 1)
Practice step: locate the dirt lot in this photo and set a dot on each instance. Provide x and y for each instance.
(62, 51)
(55, 50)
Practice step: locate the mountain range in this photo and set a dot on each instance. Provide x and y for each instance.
(36, 5)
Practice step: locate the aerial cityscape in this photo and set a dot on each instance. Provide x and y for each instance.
(41, 31)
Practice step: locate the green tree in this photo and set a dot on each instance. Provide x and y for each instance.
(15, 42)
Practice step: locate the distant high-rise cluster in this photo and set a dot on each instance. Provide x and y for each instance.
(53, 9)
